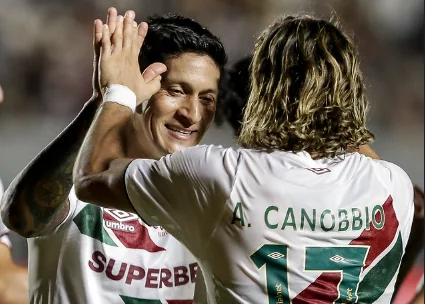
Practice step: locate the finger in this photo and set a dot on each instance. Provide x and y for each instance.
(1, 95)
(106, 41)
(135, 44)
(142, 32)
(154, 70)
(128, 30)
(117, 36)
(97, 36)
(111, 19)
(155, 83)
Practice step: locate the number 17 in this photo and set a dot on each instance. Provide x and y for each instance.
(348, 260)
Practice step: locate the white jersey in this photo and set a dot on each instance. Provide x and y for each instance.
(279, 227)
(100, 255)
(4, 232)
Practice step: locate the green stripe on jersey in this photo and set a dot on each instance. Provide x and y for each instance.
(90, 222)
(379, 277)
(130, 300)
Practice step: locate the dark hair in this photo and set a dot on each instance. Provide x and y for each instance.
(171, 35)
(234, 92)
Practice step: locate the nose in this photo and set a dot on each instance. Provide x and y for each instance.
(190, 110)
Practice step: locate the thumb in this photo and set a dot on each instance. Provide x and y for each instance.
(153, 71)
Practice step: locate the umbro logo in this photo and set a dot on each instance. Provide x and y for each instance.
(121, 216)
(319, 171)
(115, 227)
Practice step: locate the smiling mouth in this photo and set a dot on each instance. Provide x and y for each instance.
(184, 132)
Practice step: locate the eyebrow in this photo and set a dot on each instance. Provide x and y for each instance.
(187, 84)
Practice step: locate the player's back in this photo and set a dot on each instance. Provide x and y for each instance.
(298, 230)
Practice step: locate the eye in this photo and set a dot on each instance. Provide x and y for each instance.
(207, 99)
(175, 91)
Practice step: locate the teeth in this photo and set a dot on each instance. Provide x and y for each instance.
(180, 131)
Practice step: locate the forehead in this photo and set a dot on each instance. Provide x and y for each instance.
(197, 71)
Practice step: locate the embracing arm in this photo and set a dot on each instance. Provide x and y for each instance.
(36, 200)
(365, 150)
(13, 279)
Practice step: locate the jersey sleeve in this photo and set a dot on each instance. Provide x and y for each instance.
(185, 192)
(4, 232)
(403, 195)
(73, 203)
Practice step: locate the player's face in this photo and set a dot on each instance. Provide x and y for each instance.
(178, 115)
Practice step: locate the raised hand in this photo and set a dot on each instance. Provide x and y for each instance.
(119, 59)
(111, 20)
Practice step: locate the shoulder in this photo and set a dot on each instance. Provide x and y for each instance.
(393, 171)
(192, 158)
(208, 152)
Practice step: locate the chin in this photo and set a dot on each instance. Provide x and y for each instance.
(175, 148)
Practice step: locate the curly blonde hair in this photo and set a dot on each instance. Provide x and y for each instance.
(307, 91)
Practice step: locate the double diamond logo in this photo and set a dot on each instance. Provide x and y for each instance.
(337, 259)
(121, 216)
(276, 255)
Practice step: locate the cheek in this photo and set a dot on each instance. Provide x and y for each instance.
(209, 114)
(162, 107)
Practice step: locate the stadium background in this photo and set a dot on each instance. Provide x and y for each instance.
(46, 66)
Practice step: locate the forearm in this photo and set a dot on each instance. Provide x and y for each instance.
(13, 279)
(37, 197)
(413, 249)
(14, 286)
(94, 176)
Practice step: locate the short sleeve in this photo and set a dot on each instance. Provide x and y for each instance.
(185, 192)
(4, 232)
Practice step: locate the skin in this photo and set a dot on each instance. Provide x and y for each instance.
(36, 201)
(419, 299)
(416, 239)
(186, 102)
(99, 173)
(13, 278)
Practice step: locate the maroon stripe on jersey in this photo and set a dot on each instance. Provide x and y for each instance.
(324, 290)
(132, 234)
(378, 240)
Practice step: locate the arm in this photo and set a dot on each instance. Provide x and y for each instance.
(368, 151)
(365, 150)
(13, 279)
(36, 201)
(416, 239)
(419, 299)
(100, 165)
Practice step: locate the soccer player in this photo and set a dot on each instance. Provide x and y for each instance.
(293, 217)
(235, 95)
(80, 253)
(13, 278)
